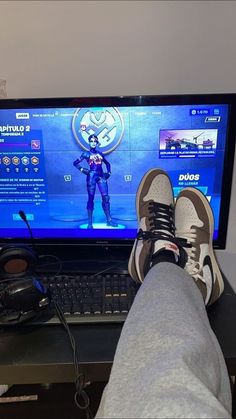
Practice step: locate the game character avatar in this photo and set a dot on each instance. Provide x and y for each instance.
(96, 176)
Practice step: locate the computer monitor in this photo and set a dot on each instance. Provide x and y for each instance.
(192, 137)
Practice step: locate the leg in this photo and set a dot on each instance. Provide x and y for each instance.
(91, 187)
(168, 361)
(102, 184)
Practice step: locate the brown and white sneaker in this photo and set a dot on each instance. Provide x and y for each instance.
(194, 222)
(155, 213)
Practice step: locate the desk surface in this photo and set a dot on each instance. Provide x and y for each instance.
(42, 354)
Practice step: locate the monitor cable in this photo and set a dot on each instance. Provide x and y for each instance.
(81, 398)
(39, 257)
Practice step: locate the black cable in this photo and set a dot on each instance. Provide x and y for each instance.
(24, 218)
(116, 265)
(106, 270)
(81, 398)
(52, 263)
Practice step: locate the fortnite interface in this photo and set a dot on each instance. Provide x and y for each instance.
(38, 148)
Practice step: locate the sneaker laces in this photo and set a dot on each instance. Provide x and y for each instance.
(161, 219)
(193, 267)
(162, 227)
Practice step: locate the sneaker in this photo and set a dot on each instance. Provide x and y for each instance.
(194, 222)
(155, 214)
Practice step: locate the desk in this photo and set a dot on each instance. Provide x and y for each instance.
(43, 354)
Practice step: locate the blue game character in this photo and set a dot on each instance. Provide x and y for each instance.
(96, 176)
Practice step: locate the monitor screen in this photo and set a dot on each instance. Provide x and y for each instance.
(45, 156)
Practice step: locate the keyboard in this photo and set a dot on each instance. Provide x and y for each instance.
(89, 298)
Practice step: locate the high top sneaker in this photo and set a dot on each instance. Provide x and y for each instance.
(194, 222)
(155, 213)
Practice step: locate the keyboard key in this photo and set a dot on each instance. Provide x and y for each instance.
(116, 292)
(116, 308)
(86, 309)
(67, 308)
(124, 307)
(108, 308)
(97, 309)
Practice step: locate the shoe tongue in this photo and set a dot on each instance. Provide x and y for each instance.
(162, 245)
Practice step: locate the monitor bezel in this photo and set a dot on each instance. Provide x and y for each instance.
(139, 100)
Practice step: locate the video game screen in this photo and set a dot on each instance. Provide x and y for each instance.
(46, 155)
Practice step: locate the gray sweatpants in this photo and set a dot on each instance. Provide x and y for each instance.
(168, 363)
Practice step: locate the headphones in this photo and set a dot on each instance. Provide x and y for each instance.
(16, 261)
(22, 300)
(24, 297)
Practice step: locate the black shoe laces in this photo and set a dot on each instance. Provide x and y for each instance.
(162, 227)
(161, 220)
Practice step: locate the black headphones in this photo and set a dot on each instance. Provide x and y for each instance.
(17, 261)
(22, 300)
(22, 297)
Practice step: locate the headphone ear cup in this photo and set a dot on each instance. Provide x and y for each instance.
(17, 261)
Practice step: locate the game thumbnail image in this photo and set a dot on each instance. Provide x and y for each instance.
(179, 143)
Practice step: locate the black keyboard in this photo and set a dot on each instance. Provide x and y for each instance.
(90, 298)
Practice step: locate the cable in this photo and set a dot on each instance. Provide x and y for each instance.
(24, 218)
(116, 265)
(81, 398)
(52, 263)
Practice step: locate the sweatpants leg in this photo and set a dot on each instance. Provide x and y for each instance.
(168, 363)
